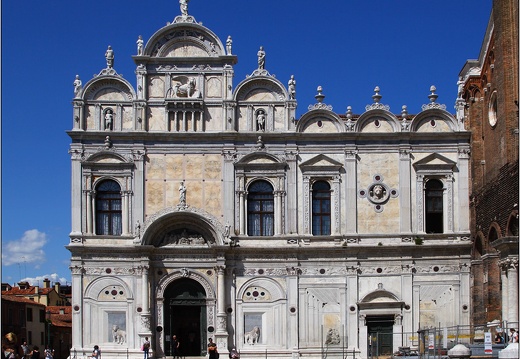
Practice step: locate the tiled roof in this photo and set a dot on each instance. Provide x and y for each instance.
(12, 298)
(28, 291)
(60, 320)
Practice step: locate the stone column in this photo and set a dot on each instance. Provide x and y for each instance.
(89, 194)
(405, 189)
(512, 289)
(77, 305)
(221, 335)
(125, 211)
(353, 326)
(416, 319)
(448, 207)
(292, 192)
(351, 190)
(463, 196)
(419, 194)
(293, 309)
(76, 192)
(363, 336)
(505, 294)
(336, 206)
(307, 194)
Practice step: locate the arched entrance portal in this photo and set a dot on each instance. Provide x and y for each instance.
(185, 316)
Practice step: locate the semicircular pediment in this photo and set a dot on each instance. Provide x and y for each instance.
(184, 49)
(260, 90)
(110, 90)
(182, 226)
(184, 40)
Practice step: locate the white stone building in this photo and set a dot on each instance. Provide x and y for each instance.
(208, 210)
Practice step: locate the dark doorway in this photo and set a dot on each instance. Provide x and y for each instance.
(185, 317)
(380, 335)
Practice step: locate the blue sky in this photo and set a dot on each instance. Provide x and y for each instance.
(348, 47)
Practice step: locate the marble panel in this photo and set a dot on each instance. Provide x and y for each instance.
(155, 167)
(214, 87)
(193, 166)
(175, 166)
(156, 87)
(213, 167)
(128, 119)
(90, 119)
(156, 120)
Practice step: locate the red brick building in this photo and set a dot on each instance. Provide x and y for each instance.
(488, 101)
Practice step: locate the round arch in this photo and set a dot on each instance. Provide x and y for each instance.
(183, 217)
(316, 115)
(377, 114)
(512, 224)
(437, 115)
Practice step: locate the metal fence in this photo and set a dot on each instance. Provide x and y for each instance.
(436, 342)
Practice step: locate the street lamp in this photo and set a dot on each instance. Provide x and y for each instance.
(48, 321)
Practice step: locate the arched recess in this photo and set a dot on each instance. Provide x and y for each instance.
(494, 233)
(380, 314)
(260, 166)
(479, 248)
(261, 104)
(108, 304)
(191, 293)
(512, 224)
(159, 228)
(434, 120)
(260, 302)
(164, 40)
(100, 166)
(320, 121)
(377, 120)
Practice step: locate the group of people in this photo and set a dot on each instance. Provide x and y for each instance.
(513, 337)
(176, 349)
(12, 350)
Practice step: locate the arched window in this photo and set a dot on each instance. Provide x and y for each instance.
(108, 208)
(260, 209)
(321, 208)
(434, 206)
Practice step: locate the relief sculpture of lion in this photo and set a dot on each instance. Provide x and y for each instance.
(252, 336)
(119, 335)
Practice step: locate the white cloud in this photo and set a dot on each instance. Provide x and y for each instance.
(52, 277)
(27, 249)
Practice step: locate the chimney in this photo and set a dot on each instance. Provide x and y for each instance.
(57, 287)
(46, 283)
(36, 289)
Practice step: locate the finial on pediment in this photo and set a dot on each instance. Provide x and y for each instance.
(184, 7)
(404, 112)
(377, 98)
(349, 112)
(260, 143)
(319, 97)
(433, 98)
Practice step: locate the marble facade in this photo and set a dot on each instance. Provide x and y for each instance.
(186, 261)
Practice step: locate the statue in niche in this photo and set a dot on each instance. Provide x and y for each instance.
(140, 43)
(109, 120)
(260, 121)
(292, 87)
(109, 55)
(184, 7)
(332, 337)
(182, 194)
(229, 42)
(77, 85)
(261, 58)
